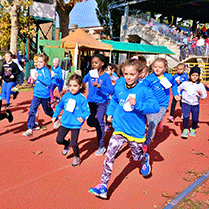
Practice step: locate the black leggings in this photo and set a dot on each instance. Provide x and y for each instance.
(173, 106)
(74, 138)
(2, 115)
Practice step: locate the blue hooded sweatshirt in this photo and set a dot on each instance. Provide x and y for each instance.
(131, 124)
(69, 118)
(57, 79)
(43, 83)
(159, 91)
(99, 95)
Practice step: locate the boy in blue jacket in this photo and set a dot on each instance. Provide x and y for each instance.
(41, 93)
(179, 77)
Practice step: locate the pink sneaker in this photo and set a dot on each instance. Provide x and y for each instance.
(171, 119)
(160, 127)
(144, 148)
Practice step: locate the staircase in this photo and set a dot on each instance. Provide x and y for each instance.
(152, 37)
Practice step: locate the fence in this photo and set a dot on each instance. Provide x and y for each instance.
(204, 70)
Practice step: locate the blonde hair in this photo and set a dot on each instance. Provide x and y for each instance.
(163, 60)
(134, 62)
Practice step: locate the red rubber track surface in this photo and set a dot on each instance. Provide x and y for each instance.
(47, 180)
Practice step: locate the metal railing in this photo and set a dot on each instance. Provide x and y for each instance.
(204, 70)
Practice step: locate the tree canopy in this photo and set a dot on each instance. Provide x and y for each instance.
(102, 15)
(14, 23)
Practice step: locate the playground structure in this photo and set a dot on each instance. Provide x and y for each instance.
(42, 12)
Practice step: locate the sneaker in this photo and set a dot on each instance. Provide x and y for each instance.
(76, 161)
(144, 148)
(56, 124)
(29, 132)
(36, 127)
(66, 150)
(160, 127)
(100, 190)
(171, 119)
(184, 135)
(15, 95)
(100, 151)
(192, 132)
(14, 89)
(9, 116)
(146, 168)
(7, 105)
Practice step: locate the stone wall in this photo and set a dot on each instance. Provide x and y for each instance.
(149, 36)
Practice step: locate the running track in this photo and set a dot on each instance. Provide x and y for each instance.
(47, 180)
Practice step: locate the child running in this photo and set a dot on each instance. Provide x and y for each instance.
(128, 106)
(192, 91)
(31, 81)
(76, 111)
(57, 81)
(159, 82)
(9, 74)
(41, 93)
(179, 77)
(99, 87)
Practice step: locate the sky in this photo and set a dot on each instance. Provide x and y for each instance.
(84, 14)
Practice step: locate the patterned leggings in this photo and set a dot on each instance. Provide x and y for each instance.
(116, 142)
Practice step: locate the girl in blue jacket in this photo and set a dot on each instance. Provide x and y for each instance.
(57, 81)
(99, 87)
(76, 111)
(159, 82)
(41, 93)
(129, 104)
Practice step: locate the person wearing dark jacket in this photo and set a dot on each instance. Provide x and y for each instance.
(66, 68)
(22, 60)
(9, 74)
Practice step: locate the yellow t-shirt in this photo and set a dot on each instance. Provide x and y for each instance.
(130, 138)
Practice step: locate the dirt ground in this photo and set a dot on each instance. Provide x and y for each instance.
(34, 174)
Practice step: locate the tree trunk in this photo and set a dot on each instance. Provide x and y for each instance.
(14, 30)
(64, 22)
(63, 11)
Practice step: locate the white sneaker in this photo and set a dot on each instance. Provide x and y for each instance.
(29, 132)
(14, 89)
(66, 150)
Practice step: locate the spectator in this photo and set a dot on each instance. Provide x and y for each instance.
(207, 46)
(22, 60)
(66, 68)
(200, 45)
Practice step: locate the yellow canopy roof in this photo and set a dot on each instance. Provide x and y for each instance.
(83, 40)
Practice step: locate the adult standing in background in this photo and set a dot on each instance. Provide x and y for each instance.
(22, 60)
(66, 68)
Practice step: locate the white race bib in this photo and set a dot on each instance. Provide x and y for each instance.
(94, 73)
(177, 78)
(32, 73)
(71, 105)
(127, 107)
(165, 82)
